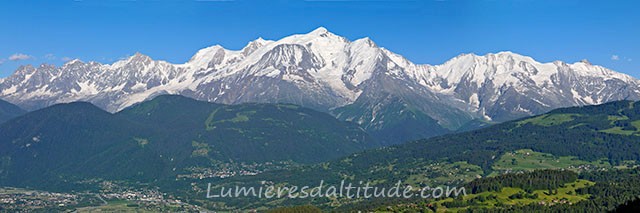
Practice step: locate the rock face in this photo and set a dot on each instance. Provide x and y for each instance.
(354, 80)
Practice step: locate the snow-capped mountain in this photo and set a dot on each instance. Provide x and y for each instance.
(505, 85)
(355, 80)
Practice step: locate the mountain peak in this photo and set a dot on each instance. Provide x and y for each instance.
(367, 41)
(323, 32)
(202, 58)
(504, 54)
(25, 69)
(206, 50)
(464, 55)
(74, 61)
(254, 45)
(135, 58)
(259, 40)
(319, 31)
(139, 56)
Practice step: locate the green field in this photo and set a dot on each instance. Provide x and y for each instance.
(112, 206)
(528, 160)
(565, 194)
(445, 173)
(549, 120)
(620, 130)
(12, 190)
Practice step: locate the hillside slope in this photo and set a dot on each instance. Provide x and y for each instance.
(164, 137)
(9, 111)
(579, 138)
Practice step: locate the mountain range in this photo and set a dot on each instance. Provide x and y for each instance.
(394, 99)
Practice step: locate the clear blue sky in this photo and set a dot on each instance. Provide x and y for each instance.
(425, 31)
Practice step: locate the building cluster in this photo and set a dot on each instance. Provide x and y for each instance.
(35, 200)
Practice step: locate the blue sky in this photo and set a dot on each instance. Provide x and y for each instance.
(425, 31)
